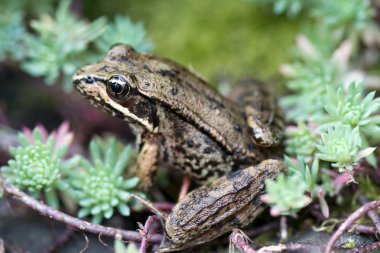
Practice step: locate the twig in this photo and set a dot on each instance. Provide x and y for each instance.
(371, 214)
(273, 249)
(144, 232)
(349, 221)
(163, 206)
(240, 240)
(364, 229)
(149, 205)
(72, 221)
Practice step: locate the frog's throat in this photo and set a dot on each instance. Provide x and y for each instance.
(99, 98)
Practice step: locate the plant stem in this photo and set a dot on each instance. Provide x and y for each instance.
(371, 214)
(72, 221)
(349, 221)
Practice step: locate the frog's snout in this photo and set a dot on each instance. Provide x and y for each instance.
(76, 82)
(83, 79)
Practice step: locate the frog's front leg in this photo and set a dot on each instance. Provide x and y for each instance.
(263, 116)
(147, 163)
(209, 211)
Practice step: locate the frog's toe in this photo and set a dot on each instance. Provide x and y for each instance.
(265, 135)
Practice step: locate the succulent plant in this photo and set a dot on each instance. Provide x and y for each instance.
(100, 186)
(37, 163)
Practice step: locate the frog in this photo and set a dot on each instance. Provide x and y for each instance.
(226, 145)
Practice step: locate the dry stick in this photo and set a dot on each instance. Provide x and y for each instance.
(349, 221)
(163, 206)
(371, 214)
(149, 205)
(72, 221)
(144, 231)
(364, 229)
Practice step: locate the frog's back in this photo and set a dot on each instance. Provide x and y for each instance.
(190, 97)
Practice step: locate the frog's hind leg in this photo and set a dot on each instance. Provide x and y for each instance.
(264, 117)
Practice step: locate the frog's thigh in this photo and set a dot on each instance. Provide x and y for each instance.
(210, 211)
(264, 117)
(147, 163)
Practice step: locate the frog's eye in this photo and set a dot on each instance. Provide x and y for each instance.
(117, 86)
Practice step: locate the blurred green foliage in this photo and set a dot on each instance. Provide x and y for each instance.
(59, 44)
(343, 14)
(231, 33)
(217, 39)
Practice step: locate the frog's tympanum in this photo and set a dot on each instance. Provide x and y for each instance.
(182, 123)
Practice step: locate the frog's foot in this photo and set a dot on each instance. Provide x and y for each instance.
(264, 117)
(267, 132)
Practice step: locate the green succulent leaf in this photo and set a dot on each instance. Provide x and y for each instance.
(341, 145)
(286, 195)
(37, 165)
(124, 209)
(99, 185)
(12, 34)
(353, 14)
(59, 41)
(301, 140)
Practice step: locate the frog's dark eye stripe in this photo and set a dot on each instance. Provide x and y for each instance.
(117, 86)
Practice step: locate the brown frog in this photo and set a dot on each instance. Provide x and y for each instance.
(182, 123)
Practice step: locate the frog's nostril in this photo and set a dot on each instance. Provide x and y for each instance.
(90, 79)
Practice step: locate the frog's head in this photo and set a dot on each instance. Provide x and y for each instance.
(111, 85)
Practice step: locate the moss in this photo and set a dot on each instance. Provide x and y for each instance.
(232, 38)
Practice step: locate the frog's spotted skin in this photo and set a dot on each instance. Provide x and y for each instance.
(181, 122)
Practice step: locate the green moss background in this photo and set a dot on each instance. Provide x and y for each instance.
(216, 38)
